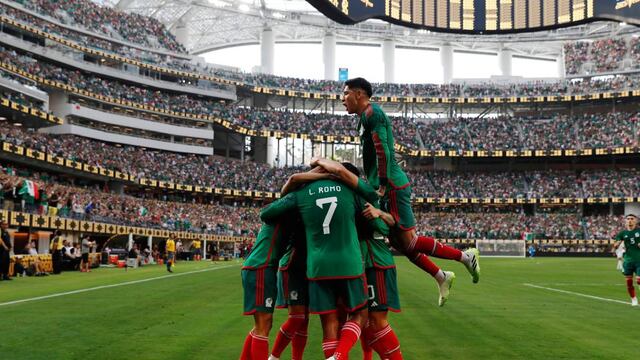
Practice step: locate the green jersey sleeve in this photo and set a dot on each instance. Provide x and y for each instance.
(375, 225)
(367, 192)
(380, 136)
(278, 208)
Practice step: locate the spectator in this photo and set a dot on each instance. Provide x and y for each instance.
(87, 245)
(5, 251)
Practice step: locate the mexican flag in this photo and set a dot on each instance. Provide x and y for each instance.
(30, 188)
(142, 211)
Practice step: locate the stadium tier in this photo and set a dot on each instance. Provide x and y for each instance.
(218, 137)
(179, 67)
(416, 136)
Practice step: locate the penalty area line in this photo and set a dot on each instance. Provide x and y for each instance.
(578, 294)
(111, 286)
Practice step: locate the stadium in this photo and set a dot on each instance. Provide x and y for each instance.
(321, 179)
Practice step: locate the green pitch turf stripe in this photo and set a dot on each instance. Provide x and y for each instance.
(578, 294)
(111, 286)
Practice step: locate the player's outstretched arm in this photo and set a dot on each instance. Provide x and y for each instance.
(298, 179)
(278, 208)
(370, 212)
(347, 177)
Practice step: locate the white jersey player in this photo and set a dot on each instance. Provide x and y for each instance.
(619, 254)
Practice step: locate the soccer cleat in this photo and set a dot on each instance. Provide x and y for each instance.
(271, 357)
(444, 288)
(473, 263)
(634, 301)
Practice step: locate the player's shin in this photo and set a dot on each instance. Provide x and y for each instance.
(299, 341)
(630, 288)
(287, 333)
(246, 348)
(349, 335)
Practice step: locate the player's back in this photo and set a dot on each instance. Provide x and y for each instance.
(328, 210)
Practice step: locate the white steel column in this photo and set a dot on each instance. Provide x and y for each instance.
(267, 51)
(389, 58)
(446, 61)
(329, 56)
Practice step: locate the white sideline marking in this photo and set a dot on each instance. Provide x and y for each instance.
(110, 286)
(580, 284)
(578, 294)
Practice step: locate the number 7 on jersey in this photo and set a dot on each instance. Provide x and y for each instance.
(333, 201)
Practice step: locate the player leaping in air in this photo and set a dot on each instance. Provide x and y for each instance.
(383, 172)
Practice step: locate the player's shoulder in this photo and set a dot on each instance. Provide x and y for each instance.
(374, 111)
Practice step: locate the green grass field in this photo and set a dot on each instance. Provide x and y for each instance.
(196, 314)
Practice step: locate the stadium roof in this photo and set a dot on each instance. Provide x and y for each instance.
(215, 24)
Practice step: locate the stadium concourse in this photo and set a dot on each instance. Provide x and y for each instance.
(122, 149)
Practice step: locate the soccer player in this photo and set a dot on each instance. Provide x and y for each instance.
(334, 262)
(383, 288)
(170, 248)
(259, 283)
(383, 172)
(631, 239)
(293, 293)
(620, 256)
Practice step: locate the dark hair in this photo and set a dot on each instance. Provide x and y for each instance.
(634, 215)
(360, 83)
(352, 168)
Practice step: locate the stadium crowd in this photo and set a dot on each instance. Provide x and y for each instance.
(135, 28)
(605, 53)
(57, 197)
(234, 174)
(557, 131)
(550, 132)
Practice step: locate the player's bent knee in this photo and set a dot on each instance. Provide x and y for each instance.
(378, 320)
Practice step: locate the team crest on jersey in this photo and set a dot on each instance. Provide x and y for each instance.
(268, 302)
(294, 295)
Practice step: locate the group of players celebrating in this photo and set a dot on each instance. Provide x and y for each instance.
(321, 249)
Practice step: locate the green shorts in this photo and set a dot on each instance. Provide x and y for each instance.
(383, 289)
(293, 288)
(630, 267)
(397, 202)
(324, 295)
(260, 290)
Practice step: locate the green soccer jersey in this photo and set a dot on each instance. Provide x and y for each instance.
(268, 247)
(296, 252)
(328, 209)
(375, 251)
(631, 239)
(378, 154)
